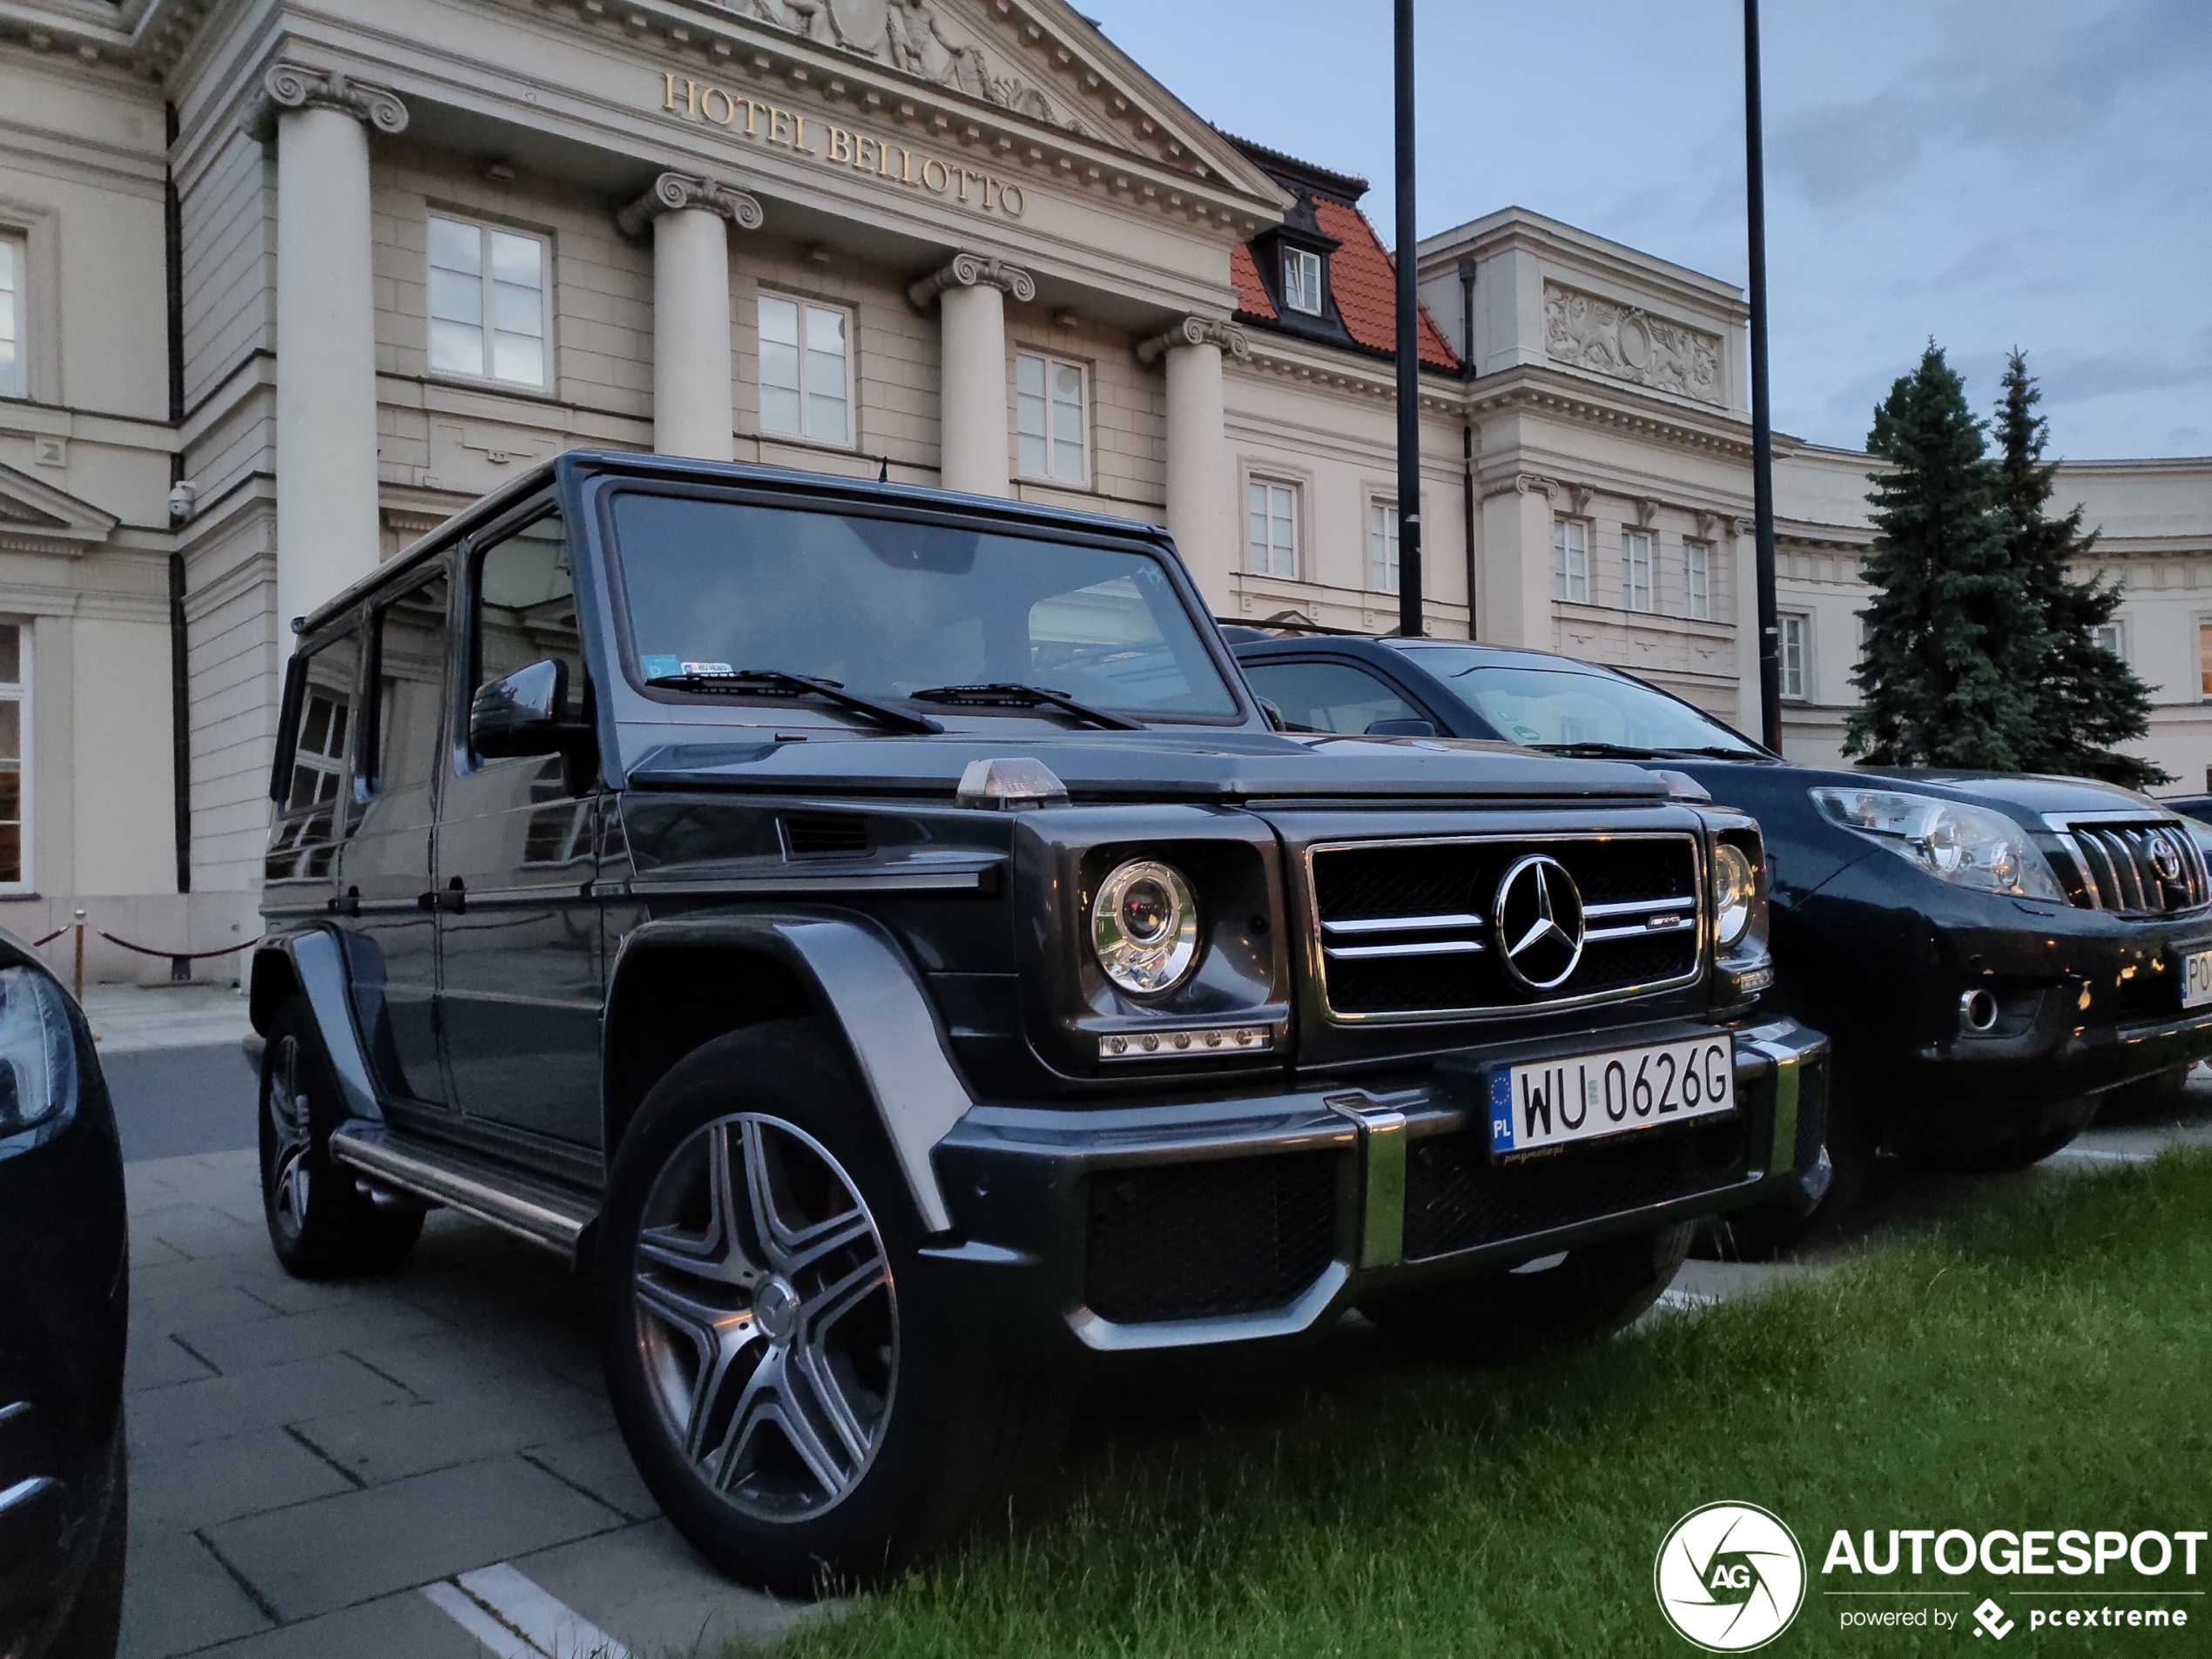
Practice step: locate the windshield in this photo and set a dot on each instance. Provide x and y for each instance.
(889, 608)
(1569, 705)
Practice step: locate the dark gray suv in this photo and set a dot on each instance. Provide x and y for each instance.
(877, 933)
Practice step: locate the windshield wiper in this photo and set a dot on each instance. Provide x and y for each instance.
(1012, 694)
(774, 682)
(1595, 751)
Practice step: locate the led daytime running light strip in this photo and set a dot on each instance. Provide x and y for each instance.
(1168, 1045)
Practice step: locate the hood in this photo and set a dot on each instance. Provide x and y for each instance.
(1177, 765)
(2022, 792)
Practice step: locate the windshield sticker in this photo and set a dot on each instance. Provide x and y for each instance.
(659, 667)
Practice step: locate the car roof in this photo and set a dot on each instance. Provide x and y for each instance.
(1016, 515)
(1382, 647)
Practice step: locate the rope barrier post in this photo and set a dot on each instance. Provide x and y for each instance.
(80, 956)
(180, 970)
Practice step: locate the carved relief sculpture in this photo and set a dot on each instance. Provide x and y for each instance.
(1628, 343)
(915, 36)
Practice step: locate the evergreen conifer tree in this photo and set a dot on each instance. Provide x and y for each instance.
(1953, 644)
(2088, 701)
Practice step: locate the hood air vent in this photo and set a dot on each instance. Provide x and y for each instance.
(823, 835)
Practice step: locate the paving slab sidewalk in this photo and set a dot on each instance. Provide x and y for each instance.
(128, 1019)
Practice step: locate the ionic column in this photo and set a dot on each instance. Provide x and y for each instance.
(971, 306)
(327, 532)
(1199, 480)
(692, 363)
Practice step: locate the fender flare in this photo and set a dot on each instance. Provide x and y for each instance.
(855, 971)
(318, 962)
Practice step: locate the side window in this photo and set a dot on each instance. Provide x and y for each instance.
(1328, 696)
(308, 830)
(525, 609)
(413, 638)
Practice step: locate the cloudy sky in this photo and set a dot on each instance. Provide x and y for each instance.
(1991, 173)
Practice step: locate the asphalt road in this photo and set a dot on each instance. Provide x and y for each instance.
(172, 1103)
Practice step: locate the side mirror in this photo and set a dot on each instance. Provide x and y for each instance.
(1401, 729)
(1274, 714)
(520, 715)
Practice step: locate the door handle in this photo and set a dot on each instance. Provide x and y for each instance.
(453, 900)
(348, 904)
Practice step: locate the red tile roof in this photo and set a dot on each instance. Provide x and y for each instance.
(1363, 279)
(1251, 293)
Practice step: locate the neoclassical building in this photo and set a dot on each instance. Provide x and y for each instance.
(282, 285)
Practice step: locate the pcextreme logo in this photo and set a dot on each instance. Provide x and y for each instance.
(1730, 1577)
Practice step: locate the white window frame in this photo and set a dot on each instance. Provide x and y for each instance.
(1794, 649)
(1296, 288)
(17, 304)
(2118, 628)
(2204, 657)
(805, 304)
(1260, 556)
(486, 229)
(1571, 560)
(20, 694)
(1636, 588)
(1697, 579)
(1381, 532)
(1052, 401)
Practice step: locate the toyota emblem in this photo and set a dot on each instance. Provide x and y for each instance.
(1537, 917)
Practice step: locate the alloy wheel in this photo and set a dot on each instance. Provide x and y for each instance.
(766, 1318)
(288, 1117)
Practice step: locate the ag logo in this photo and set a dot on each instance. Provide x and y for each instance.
(1730, 1577)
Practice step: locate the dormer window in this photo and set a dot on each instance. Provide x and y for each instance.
(1302, 281)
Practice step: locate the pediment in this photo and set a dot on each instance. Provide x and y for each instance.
(35, 512)
(1037, 59)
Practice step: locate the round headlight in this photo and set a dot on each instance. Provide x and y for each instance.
(1735, 889)
(1145, 927)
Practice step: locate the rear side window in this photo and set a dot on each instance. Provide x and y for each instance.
(413, 638)
(526, 608)
(1328, 696)
(323, 746)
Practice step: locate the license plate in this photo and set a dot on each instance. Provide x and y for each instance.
(1552, 1102)
(2196, 979)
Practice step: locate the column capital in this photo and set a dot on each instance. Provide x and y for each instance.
(287, 85)
(1196, 331)
(672, 192)
(972, 271)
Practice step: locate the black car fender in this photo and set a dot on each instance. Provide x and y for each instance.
(852, 970)
(312, 963)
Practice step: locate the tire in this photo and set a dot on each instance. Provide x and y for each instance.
(95, 1620)
(1505, 1317)
(1998, 1157)
(784, 1387)
(321, 1224)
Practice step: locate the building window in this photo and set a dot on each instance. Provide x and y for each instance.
(1049, 419)
(1571, 560)
(1636, 569)
(1382, 546)
(1794, 677)
(1697, 580)
(1302, 281)
(2204, 655)
(1271, 528)
(15, 367)
(15, 729)
(2113, 635)
(488, 303)
(805, 370)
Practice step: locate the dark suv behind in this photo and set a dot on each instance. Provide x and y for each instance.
(879, 934)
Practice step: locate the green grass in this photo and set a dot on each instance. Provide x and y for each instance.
(2046, 1361)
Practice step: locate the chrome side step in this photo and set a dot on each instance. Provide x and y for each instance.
(544, 1212)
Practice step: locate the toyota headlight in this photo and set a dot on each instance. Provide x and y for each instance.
(1969, 847)
(37, 1050)
(1145, 927)
(1736, 894)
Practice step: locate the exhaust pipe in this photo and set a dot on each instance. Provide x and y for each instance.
(1977, 1011)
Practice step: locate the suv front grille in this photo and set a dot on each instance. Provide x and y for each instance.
(1407, 929)
(1194, 1241)
(2116, 867)
(1457, 1197)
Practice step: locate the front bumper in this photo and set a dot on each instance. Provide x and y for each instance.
(1090, 1233)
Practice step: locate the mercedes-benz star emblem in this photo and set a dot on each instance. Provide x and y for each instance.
(1538, 919)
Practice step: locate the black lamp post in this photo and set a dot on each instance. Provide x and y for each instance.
(1409, 357)
(1762, 420)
